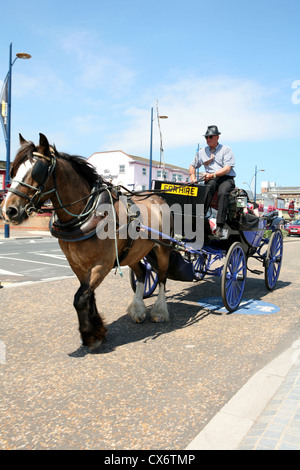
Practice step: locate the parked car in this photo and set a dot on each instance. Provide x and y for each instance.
(293, 228)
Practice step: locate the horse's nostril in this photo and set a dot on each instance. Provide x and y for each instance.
(11, 212)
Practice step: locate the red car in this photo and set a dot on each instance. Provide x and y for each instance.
(294, 228)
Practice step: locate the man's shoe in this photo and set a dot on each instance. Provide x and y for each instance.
(218, 233)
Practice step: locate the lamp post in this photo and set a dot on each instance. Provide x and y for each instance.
(7, 83)
(249, 185)
(255, 178)
(151, 138)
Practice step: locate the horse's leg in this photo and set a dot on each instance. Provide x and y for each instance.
(91, 327)
(137, 309)
(159, 312)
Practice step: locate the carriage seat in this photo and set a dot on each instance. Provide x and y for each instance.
(239, 208)
(214, 201)
(234, 195)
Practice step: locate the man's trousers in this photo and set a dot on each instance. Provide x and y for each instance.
(224, 185)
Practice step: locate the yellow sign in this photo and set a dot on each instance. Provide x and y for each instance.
(180, 190)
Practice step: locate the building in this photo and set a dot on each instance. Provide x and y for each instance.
(132, 171)
(281, 198)
(2, 174)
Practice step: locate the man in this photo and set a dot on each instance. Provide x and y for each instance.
(218, 161)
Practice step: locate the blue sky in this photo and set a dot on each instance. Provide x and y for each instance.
(98, 67)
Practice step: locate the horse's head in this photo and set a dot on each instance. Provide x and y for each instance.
(31, 174)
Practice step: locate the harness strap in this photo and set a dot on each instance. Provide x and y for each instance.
(18, 193)
(37, 154)
(115, 232)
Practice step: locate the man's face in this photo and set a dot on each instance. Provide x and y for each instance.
(212, 140)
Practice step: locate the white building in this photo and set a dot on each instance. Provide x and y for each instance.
(133, 172)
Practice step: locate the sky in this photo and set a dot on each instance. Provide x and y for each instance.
(98, 67)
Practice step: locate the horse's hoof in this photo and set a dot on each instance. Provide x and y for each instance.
(159, 319)
(96, 345)
(140, 319)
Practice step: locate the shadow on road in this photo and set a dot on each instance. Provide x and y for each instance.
(184, 312)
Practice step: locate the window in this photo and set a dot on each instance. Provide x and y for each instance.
(144, 171)
(176, 177)
(161, 174)
(121, 168)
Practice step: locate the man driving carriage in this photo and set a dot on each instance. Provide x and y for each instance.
(218, 161)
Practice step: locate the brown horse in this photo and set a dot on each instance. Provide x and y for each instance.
(40, 173)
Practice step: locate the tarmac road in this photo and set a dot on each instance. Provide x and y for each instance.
(151, 386)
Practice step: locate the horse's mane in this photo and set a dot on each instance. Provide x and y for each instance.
(79, 164)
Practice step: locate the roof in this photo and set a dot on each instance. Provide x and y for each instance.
(284, 188)
(145, 160)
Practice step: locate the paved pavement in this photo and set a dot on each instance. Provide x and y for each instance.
(263, 415)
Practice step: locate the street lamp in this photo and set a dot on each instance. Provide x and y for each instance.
(7, 114)
(249, 185)
(151, 137)
(255, 175)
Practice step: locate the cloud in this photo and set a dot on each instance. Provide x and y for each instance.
(101, 65)
(242, 109)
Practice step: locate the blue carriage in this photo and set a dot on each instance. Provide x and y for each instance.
(191, 259)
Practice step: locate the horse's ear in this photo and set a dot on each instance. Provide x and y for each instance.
(22, 140)
(44, 144)
(44, 141)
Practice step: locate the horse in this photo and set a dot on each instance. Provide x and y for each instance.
(39, 173)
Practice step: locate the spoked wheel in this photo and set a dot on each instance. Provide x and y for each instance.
(234, 277)
(200, 265)
(150, 279)
(273, 259)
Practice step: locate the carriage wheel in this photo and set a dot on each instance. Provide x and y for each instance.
(273, 259)
(200, 265)
(150, 280)
(234, 277)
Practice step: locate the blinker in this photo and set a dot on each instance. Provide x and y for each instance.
(40, 171)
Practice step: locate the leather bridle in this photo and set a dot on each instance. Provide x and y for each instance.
(41, 173)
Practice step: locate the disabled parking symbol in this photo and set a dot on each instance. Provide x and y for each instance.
(246, 307)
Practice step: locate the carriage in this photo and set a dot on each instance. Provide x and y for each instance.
(85, 206)
(246, 235)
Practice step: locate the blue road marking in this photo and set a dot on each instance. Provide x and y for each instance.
(246, 307)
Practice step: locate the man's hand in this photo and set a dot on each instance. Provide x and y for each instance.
(208, 176)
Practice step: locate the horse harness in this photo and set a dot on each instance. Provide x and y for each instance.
(41, 172)
(84, 225)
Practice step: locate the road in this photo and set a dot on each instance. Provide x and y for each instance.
(27, 260)
(151, 386)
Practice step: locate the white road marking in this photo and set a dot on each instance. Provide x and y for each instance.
(31, 261)
(9, 273)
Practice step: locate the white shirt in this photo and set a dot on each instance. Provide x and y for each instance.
(223, 156)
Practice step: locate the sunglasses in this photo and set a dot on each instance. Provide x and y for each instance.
(210, 137)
